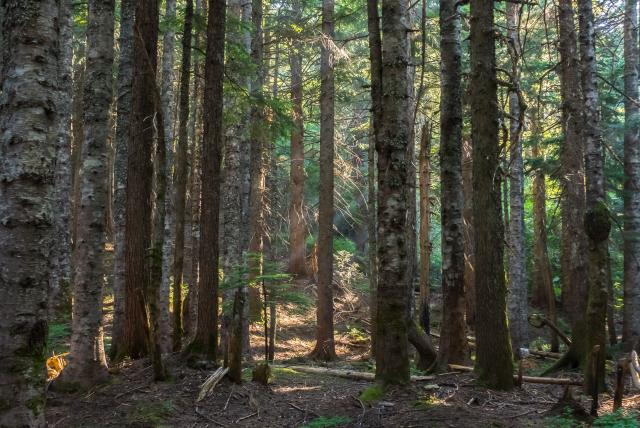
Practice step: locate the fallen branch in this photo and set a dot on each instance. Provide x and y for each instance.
(545, 354)
(348, 374)
(528, 379)
(539, 321)
(211, 382)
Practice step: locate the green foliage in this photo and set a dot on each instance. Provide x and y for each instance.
(618, 419)
(372, 394)
(322, 422)
(58, 340)
(343, 244)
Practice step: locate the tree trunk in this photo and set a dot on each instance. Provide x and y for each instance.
(517, 297)
(60, 292)
(597, 222)
(168, 108)
(28, 143)
(123, 106)
(573, 240)
(325, 347)
(631, 321)
(138, 227)
(468, 234)
(206, 338)
(392, 324)
(425, 223)
(180, 177)
(494, 365)
(297, 227)
(453, 342)
(87, 362)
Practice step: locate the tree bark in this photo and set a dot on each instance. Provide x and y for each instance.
(28, 143)
(206, 337)
(597, 222)
(425, 223)
(453, 342)
(325, 347)
(297, 227)
(517, 297)
(494, 365)
(123, 121)
(631, 319)
(468, 234)
(392, 324)
(87, 362)
(180, 177)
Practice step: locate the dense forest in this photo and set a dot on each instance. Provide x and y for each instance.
(319, 213)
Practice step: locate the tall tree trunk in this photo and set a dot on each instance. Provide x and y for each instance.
(597, 223)
(392, 324)
(453, 337)
(375, 58)
(168, 108)
(138, 211)
(297, 227)
(123, 121)
(60, 292)
(180, 177)
(258, 170)
(573, 240)
(29, 120)
(425, 224)
(325, 347)
(494, 364)
(631, 321)
(87, 362)
(517, 297)
(468, 234)
(206, 339)
(77, 117)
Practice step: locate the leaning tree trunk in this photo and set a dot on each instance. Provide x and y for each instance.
(453, 337)
(392, 324)
(325, 347)
(206, 337)
(29, 120)
(123, 106)
(494, 364)
(138, 215)
(180, 177)
(297, 228)
(631, 321)
(87, 362)
(517, 300)
(597, 222)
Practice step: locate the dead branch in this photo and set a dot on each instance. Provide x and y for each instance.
(539, 321)
(211, 382)
(528, 379)
(348, 374)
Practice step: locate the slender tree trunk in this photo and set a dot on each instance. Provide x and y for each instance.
(425, 224)
(206, 338)
(325, 347)
(517, 297)
(77, 117)
(297, 227)
(573, 242)
(392, 324)
(453, 336)
(138, 215)
(494, 364)
(596, 221)
(468, 234)
(123, 106)
(631, 321)
(87, 362)
(375, 58)
(180, 178)
(28, 143)
(60, 292)
(168, 108)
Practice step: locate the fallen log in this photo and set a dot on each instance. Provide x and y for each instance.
(545, 354)
(528, 379)
(347, 374)
(211, 382)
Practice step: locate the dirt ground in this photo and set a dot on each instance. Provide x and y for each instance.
(297, 399)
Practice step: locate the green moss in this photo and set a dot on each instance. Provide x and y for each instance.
(597, 222)
(150, 412)
(372, 394)
(322, 422)
(36, 404)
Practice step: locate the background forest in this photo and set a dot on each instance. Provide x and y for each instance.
(319, 193)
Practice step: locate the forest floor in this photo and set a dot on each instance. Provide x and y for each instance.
(297, 399)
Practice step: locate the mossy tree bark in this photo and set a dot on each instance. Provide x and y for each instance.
(494, 365)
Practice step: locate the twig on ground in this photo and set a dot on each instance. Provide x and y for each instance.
(210, 419)
(246, 417)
